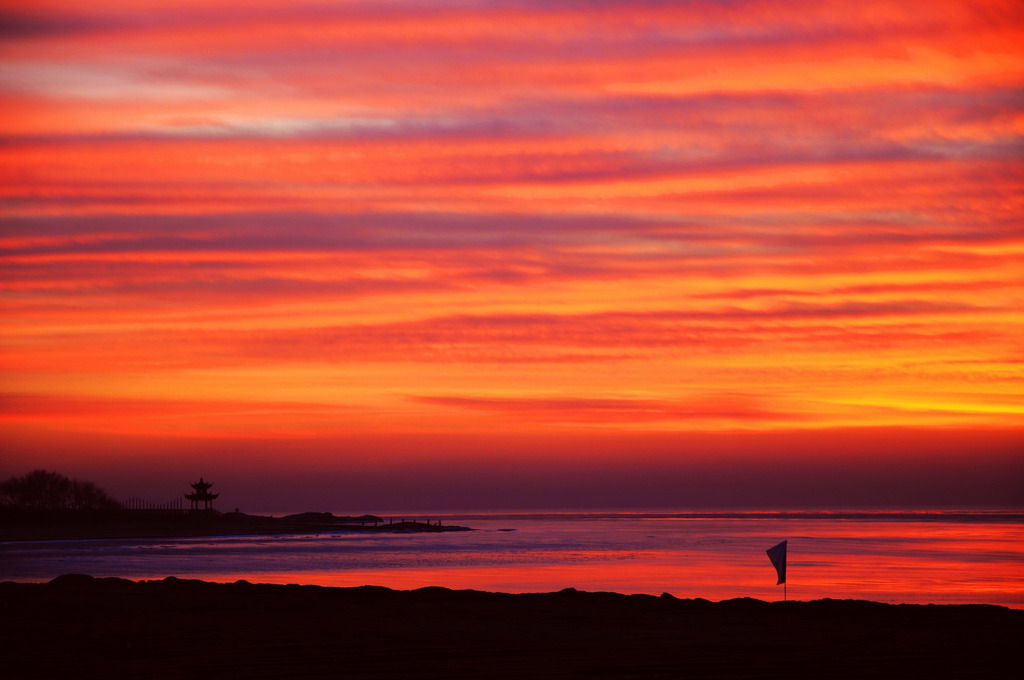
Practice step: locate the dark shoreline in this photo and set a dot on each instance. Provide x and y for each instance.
(83, 525)
(78, 626)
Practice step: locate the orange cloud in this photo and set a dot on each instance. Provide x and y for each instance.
(305, 220)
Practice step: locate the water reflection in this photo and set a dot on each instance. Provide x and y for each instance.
(914, 560)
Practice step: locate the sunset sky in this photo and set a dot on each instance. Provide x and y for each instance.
(449, 254)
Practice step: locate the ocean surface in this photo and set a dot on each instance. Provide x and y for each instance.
(912, 557)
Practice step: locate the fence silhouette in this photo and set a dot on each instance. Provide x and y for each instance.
(175, 506)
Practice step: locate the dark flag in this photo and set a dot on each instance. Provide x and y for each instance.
(777, 554)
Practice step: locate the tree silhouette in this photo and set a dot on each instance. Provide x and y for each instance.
(45, 490)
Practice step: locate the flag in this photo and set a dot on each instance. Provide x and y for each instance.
(777, 554)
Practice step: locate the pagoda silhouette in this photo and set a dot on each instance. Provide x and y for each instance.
(201, 494)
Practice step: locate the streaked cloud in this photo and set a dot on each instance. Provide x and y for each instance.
(314, 218)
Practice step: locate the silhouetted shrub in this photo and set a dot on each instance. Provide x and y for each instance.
(45, 490)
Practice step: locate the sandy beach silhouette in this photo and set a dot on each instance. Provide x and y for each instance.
(77, 626)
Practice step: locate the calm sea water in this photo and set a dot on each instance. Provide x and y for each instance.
(947, 557)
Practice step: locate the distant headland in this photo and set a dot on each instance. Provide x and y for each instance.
(43, 505)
